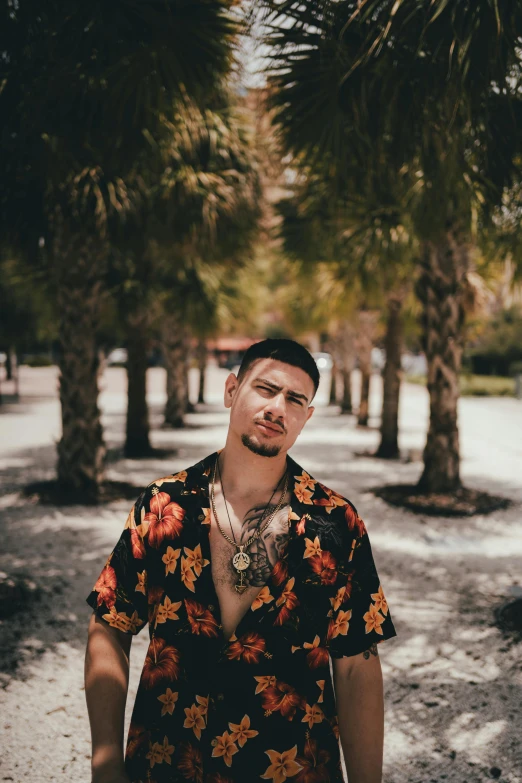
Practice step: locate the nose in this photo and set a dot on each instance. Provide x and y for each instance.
(276, 408)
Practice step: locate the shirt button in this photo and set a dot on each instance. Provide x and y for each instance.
(211, 607)
(201, 517)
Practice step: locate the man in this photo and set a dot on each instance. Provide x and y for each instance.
(253, 576)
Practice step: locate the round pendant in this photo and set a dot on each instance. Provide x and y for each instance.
(241, 561)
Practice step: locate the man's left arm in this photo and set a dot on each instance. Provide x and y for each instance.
(360, 708)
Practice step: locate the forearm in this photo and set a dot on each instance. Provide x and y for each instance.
(360, 709)
(106, 684)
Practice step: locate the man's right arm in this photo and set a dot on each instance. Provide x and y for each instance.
(106, 684)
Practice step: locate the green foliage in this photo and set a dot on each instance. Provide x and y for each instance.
(499, 344)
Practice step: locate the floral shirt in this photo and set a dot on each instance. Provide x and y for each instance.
(260, 705)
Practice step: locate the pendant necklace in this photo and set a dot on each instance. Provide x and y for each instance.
(241, 560)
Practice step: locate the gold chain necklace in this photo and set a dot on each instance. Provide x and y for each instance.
(241, 560)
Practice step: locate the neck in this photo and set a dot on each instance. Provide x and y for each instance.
(244, 473)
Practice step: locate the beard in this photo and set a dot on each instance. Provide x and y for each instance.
(263, 450)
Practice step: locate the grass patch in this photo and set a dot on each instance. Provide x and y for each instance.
(476, 385)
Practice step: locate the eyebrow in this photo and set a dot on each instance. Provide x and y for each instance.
(280, 388)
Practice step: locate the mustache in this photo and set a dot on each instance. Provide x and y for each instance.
(271, 421)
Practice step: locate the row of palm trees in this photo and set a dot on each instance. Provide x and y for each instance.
(403, 119)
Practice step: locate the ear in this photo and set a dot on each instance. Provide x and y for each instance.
(309, 414)
(231, 387)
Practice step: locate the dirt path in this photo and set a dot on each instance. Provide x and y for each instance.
(453, 683)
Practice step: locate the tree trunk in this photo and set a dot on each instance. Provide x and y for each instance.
(175, 355)
(333, 385)
(137, 441)
(189, 407)
(9, 364)
(364, 344)
(389, 445)
(346, 346)
(440, 288)
(346, 402)
(77, 264)
(202, 366)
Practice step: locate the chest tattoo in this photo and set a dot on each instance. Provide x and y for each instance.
(266, 550)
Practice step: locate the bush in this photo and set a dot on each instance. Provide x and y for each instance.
(38, 360)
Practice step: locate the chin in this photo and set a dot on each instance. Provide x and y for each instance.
(262, 449)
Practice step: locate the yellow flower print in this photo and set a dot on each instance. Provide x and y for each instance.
(241, 732)
(195, 559)
(167, 610)
(225, 747)
(341, 624)
(129, 522)
(303, 495)
(194, 720)
(170, 558)
(320, 683)
(264, 683)
(315, 643)
(313, 715)
(373, 619)
(203, 704)
(312, 547)
(380, 601)
(122, 622)
(263, 597)
(206, 512)
(187, 575)
(306, 481)
(159, 753)
(354, 541)
(283, 765)
(287, 592)
(141, 587)
(337, 600)
(168, 699)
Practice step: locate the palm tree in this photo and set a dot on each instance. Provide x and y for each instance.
(79, 88)
(428, 87)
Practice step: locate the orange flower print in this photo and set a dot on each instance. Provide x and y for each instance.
(331, 501)
(279, 573)
(248, 648)
(303, 495)
(301, 526)
(168, 700)
(225, 747)
(164, 519)
(122, 622)
(194, 720)
(201, 620)
(341, 623)
(170, 558)
(318, 656)
(313, 763)
(288, 601)
(354, 521)
(203, 704)
(264, 682)
(206, 520)
(159, 753)
(187, 575)
(190, 762)
(282, 698)
(137, 546)
(282, 765)
(306, 481)
(313, 715)
(352, 549)
(312, 547)
(141, 587)
(216, 777)
(263, 597)
(137, 737)
(320, 684)
(167, 610)
(373, 619)
(241, 732)
(337, 600)
(161, 663)
(195, 559)
(325, 566)
(106, 587)
(381, 603)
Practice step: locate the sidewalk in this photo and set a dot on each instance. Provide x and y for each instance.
(453, 685)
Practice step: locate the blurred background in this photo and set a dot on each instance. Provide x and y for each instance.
(179, 180)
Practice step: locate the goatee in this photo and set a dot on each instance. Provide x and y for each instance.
(263, 450)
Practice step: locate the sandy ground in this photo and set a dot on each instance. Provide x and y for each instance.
(453, 683)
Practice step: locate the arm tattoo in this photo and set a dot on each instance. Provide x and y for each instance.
(266, 550)
(373, 650)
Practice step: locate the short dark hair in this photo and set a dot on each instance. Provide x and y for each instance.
(282, 350)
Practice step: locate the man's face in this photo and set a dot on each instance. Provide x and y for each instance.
(270, 407)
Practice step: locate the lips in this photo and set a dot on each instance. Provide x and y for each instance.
(269, 427)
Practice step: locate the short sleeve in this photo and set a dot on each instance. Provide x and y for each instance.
(361, 616)
(120, 594)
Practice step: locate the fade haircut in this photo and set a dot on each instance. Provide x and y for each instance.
(282, 350)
